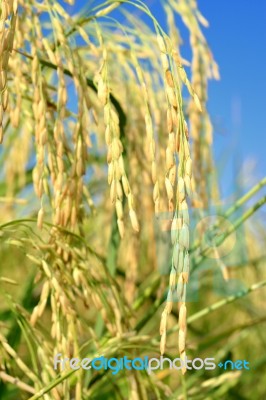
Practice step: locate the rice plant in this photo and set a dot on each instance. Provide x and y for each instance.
(112, 225)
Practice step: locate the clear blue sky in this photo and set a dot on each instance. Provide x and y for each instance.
(237, 35)
(237, 103)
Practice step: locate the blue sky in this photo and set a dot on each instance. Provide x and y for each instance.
(237, 36)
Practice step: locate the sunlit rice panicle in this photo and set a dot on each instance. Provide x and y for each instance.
(8, 19)
(149, 133)
(117, 177)
(201, 126)
(203, 68)
(179, 178)
(106, 10)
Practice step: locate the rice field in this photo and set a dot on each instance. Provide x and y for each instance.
(115, 239)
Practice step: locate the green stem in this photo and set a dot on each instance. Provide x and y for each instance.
(245, 198)
(228, 300)
(184, 387)
(235, 207)
(51, 385)
(231, 229)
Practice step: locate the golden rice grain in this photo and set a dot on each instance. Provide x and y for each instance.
(156, 191)
(40, 218)
(169, 121)
(181, 189)
(187, 181)
(134, 220)
(184, 236)
(121, 228)
(181, 340)
(169, 158)
(169, 189)
(169, 78)
(161, 44)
